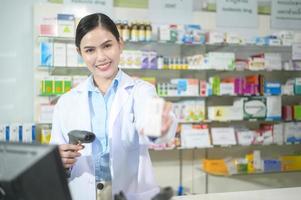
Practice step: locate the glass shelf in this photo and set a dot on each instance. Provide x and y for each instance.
(74, 70)
(209, 47)
(250, 174)
(224, 147)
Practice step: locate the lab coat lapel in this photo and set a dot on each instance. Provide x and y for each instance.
(120, 99)
(83, 111)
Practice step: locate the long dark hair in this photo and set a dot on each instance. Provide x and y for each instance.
(90, 22)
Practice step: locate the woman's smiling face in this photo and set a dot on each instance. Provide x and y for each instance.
(101, 53)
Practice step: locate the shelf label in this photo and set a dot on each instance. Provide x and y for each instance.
(286, 14)
(233, 13)
(170, 11)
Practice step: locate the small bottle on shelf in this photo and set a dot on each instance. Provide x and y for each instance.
(141, 31)
(134, 32)
(148, 32)
(125, 31)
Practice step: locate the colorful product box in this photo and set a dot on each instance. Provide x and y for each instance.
(255, 108)
(195, 136)
(297, 112)
(291, 163)
(297, 88)
(272, 88)
(287, 113)
(46, 54)
(271, 165)
(47, 86)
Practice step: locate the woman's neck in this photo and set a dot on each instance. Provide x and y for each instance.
(103, 84)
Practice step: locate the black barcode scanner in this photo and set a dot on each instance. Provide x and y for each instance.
(79, 137)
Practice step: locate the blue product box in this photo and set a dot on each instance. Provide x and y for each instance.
(181, 86)
(193, 34)
(272, 88)
(271, 165)
(46, 54)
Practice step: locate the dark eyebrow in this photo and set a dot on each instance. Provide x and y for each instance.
(108, 41)
(89, 47)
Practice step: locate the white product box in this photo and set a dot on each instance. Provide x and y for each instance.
(215, 37)
(2, 132)
(274, 42)
(236, 110)
(273, 61)
(59, 54)
(153, 117)
(257, 162)
(267, 137)
(245, 137)
(273, 107)
(278, 130)
(291, 130)
(221, 60)
(28, 133)
(14, 132)
(233, 38)
(72, 56)
(194, 136)
(46, 113)
(164, 33)
(66, 25)
(223, 136)
(227, 89)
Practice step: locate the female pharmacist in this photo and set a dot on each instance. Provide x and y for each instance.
(111, 104)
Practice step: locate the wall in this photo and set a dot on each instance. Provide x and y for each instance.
(16, 69)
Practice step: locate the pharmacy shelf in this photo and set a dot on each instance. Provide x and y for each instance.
(209, 47)
(69, 71)
(72, 70)
(248, 174)
(225, 147)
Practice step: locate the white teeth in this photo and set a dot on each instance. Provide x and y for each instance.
(101, 65)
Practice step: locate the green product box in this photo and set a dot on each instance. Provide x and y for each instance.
(242, 168)
(297, 112)
(66, 85)
(216, 82)
(47, 87)
(58, 86)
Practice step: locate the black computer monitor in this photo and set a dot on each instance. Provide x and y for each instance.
(32, 172)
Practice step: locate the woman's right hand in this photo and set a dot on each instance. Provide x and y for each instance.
(69, 153)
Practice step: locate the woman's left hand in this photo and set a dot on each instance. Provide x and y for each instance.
(166, 118)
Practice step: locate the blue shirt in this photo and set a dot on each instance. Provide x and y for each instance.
(100, 107)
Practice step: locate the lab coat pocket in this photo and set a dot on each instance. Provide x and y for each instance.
(130, 138)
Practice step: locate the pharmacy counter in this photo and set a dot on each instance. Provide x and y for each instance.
(274, 194)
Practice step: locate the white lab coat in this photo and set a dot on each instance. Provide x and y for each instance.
(129, 158)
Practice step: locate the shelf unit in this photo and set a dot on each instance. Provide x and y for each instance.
(172, 49)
